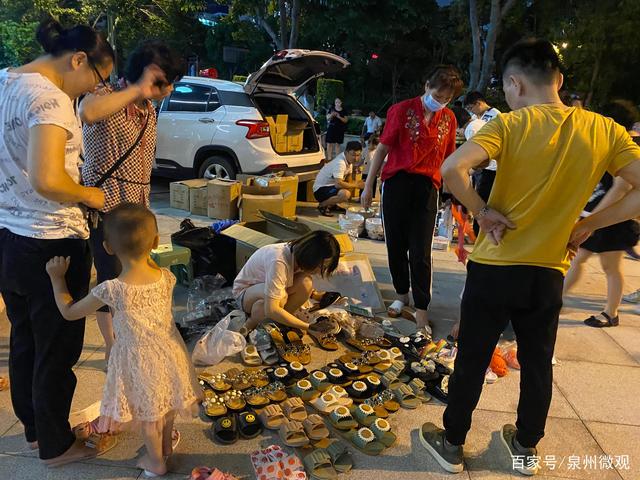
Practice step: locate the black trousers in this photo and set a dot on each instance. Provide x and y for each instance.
(409, 210)
(44, 347)
(483, 185)
(531, 298)
(107, 266)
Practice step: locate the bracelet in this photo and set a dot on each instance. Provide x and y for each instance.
(483, 212)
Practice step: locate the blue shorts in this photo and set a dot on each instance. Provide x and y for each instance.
(325, 193)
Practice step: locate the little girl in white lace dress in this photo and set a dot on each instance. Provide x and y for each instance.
(150, 377)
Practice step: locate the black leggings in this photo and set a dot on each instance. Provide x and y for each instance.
(409, 210)
(531, 298)
(44, 346)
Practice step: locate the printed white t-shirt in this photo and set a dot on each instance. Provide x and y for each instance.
(271, 265)
(29, 99)
(336, 169)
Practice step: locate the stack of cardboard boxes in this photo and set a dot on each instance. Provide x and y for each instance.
(237, 199)
(286, 136)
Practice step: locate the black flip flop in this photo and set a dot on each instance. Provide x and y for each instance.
(225, 430)
(325, 211)
(328, 299)
(249, 425)
(595, 322)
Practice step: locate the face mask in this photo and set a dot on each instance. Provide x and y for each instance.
(432, 104)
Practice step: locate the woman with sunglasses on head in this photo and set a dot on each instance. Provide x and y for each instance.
(42, 215)
(119, 146)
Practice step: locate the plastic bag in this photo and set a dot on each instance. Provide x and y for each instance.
(353, 225)
(375, 231)
(217, 343)
(198, 298)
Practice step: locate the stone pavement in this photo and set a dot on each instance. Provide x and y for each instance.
(594, 412)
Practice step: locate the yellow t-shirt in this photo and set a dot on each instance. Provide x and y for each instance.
(550, 158)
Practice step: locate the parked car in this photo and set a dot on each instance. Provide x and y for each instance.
(215, 128)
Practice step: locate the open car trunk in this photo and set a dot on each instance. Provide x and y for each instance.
(272, 105)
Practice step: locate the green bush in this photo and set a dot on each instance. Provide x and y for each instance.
(239, 78)
(327, 91)
(321, 118)
(354, 125)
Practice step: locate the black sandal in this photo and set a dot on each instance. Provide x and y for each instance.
(325, 211)
(249, 425)
(225, 430)
(596, 322)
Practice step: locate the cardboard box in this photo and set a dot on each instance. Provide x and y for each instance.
(179, 192)
(223, 199)
(198, 200)
(286, 185)
(251, 236)
(278, 130)
(295, 136)
(255, 198)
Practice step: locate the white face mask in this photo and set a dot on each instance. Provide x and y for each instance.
(432, 104)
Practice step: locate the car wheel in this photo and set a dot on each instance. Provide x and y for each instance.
(217, 167)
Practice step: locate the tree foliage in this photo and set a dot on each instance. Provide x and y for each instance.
(391, 44)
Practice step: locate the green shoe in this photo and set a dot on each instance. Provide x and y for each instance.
(524, 460)
(449, 457)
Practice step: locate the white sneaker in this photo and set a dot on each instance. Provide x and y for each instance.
(633, 297)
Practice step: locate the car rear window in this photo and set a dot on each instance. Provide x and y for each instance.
(239, 99)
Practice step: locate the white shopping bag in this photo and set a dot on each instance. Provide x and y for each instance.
(217, 343)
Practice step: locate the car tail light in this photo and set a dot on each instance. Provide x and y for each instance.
(257, 128)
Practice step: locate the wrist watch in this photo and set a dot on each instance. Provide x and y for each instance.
(483, 212)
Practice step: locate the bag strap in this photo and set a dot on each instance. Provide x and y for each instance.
(121, 160)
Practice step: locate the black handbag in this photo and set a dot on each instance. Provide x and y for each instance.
(210, 253)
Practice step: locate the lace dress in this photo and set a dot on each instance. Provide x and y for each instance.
(150, 373)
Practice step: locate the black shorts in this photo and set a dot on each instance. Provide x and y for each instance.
(107, 266)
(325, 193)
(614, 238)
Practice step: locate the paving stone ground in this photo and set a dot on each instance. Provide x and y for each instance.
(594, 412)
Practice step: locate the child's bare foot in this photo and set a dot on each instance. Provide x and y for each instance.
(149, 466)
(78, 451)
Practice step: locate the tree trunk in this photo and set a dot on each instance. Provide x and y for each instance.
(474, 66)
(498, 13)
(295, 24)
(267, 28)
(283, 22)
(592, 84)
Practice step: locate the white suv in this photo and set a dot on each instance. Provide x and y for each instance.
(210, 128)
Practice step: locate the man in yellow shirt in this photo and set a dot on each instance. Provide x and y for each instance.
(550, 157)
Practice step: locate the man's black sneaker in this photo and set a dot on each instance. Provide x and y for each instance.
(523, 460)
(448, 456)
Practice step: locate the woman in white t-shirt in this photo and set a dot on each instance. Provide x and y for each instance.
(42, 215)
(276, 280)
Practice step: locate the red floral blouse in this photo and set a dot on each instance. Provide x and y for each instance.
(415, 147)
